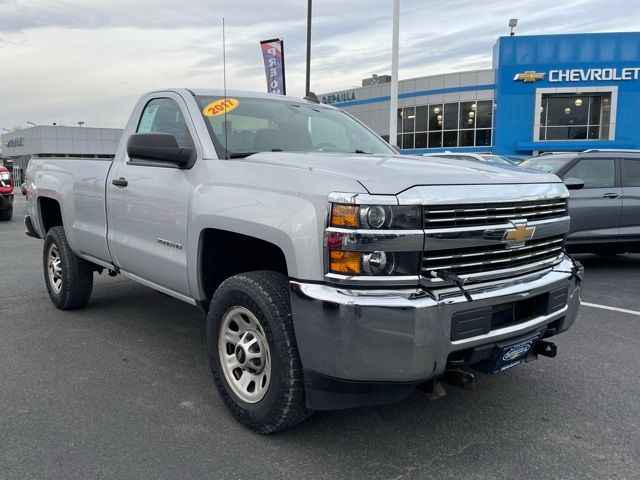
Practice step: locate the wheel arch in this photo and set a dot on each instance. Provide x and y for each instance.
(50, 213)
(223, 253)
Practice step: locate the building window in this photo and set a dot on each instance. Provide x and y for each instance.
(575, 116)
(458, 124)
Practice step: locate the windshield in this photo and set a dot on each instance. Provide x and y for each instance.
(546, 163)
(262, 125)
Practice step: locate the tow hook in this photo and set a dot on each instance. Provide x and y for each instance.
(434, 389)
(459, 378)
(456, 378)
(546, 349)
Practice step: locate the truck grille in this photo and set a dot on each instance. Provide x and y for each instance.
(449, 216)
(465, 261)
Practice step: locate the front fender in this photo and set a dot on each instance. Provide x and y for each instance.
(292, 223)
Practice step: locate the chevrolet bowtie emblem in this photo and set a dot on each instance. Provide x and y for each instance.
(518, 235)
(528, 77)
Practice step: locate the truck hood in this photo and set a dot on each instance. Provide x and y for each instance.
(392, 174)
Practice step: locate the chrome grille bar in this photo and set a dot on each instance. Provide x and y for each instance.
(492, 214)
(470, 260)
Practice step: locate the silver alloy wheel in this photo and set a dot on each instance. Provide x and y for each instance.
(54, 268)
(244, 354)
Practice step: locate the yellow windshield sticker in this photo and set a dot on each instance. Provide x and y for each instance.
(220, 106)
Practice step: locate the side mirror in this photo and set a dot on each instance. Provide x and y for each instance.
(158, 147)
(573, 183)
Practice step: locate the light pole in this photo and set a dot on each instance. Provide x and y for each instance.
(80, 124)
(308, 84)
(31, 123)
(513, 23)
(393, 100)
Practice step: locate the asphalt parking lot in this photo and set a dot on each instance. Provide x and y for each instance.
(122, 389)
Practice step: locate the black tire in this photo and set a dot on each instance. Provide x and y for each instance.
(6, 214)
(76, 277)
(266, 295)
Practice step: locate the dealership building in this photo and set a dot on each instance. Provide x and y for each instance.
(56, 141)
(542, 93)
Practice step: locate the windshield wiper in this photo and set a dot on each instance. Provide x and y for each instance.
(357, 150)
(248, 154)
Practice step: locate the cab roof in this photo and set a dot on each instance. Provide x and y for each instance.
(219, 92)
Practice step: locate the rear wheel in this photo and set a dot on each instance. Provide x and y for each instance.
(69, 279)
(253, 353)
(6, 214)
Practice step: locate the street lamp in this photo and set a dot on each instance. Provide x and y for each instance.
(80, 124)
(308, 79)
(513, 23)
(393, 97)
(31, 123)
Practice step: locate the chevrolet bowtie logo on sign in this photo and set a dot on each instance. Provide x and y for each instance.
(528, 77)
(518, 235)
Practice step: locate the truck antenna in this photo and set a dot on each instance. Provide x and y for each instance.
(224, 82)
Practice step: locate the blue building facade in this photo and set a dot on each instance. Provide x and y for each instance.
(543, 93)
(591, 81)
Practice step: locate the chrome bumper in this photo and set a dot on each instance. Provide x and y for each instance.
(404, 335)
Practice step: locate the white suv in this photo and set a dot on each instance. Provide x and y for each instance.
(478, 157)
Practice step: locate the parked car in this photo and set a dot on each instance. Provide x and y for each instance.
(475, 157)
(6, 194)
(516, 159)
(302, 233)
(605, 214)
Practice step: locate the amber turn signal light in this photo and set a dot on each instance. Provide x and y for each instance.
(344, 216)
(346, 263)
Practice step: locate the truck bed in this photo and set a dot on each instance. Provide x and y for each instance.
(79, 184)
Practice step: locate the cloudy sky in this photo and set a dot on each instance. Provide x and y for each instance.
(69, 60)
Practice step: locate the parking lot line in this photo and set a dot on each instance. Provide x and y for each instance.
(615, 309)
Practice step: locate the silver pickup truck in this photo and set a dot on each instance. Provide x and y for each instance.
(335, 272)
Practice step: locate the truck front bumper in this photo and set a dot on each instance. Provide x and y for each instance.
(363, 346)
(6, 200)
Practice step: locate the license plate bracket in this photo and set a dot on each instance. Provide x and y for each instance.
(512, 353)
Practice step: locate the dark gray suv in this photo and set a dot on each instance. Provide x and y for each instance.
(605, 213)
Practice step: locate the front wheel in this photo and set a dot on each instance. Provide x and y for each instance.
(253, 353)
(69, 279)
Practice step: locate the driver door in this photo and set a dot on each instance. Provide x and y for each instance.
(148, 203)
(596, 209)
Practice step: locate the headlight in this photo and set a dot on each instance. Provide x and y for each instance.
(375, 238)
(5, 176)
(378, 263)
(375, 217)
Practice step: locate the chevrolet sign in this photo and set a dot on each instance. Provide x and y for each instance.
(594, 74)
(606, 74)
(528, 77)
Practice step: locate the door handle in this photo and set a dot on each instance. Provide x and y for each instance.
(610, 195)
(120, 182)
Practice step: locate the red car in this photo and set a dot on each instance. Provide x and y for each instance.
(6, 194)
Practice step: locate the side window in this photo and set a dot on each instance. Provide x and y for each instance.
(596, 173)
(163, 115)
(631, 169)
